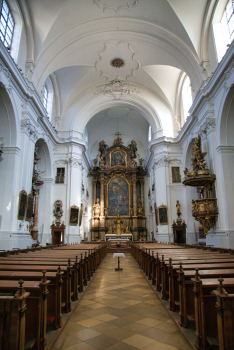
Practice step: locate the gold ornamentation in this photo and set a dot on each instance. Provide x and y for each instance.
(117, 62)
(96, 209)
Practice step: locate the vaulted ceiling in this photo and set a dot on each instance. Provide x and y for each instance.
(157, 40)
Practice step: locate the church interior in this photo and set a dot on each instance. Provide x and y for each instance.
(116, 137)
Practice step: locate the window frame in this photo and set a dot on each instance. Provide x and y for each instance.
(6, 30)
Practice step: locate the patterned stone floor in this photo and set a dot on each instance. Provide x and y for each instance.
(119, 311)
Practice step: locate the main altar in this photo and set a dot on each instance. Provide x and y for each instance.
(118, 193)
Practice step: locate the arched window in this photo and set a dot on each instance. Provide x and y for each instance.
(6, 25)
(186, 97)
(149, 133)
(45, 97)
(224, 30)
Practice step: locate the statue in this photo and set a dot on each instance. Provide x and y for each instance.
(178, 205)
(134, 164)
(102, 163)
(127, 230)
(139, 208)
(133, 149)
(102, 149)
(96, 209)
(109, 232)
(118, 225)
(198, 162)
(106, 212)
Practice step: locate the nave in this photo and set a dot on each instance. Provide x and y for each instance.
(120, 311)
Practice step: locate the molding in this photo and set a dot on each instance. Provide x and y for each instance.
(105, 7)
(208, 126)
(106, 51)
(76, 162)
(29, 130)
(225, 149)
(117, 89)
(11, 150)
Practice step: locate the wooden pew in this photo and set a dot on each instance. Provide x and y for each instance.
(186, 293)
(36, 310)
(54, 288)
(225, 319)
(12, 320)
(66, 285)
(205, 310)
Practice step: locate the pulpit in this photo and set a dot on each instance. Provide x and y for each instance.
(57, 231)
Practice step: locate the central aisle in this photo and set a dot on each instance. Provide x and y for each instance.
(119, 311)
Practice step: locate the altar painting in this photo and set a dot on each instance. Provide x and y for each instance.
(118, 197)
(118, 158)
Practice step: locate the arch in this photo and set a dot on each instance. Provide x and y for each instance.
(9, 128)
(227, 119)
(45, 161)
(83, 36)
(97, 104)
(28, 29)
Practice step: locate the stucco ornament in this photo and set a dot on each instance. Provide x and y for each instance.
(116, 5)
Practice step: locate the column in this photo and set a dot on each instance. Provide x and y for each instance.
(142, 196)
(134, 195)
(34, 231)
(102, 197)
(94, 191)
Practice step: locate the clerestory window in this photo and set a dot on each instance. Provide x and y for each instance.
(224, 30)
(45, 97)
(6, 25)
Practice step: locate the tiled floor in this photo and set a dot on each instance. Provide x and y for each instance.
(119, 311)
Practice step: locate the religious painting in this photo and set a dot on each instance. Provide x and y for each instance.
(74, 213)
(118, 197)
(175, 173)
(163, 217)
(81, 214)
(118, 158)
(22, 204)
(29, 210)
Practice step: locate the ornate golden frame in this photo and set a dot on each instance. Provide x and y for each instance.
(77, 209)
(163, 207)
(126, 159)
(129, 192)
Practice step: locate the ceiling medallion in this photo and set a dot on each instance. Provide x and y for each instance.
(117, 62)
(120, 5)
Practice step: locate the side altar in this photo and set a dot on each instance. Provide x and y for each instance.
(118, 193)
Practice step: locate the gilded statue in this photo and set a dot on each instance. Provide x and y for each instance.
(102, 148)
(127, 229)
(178, 206)
(198, 162)
(102, 163)
(118, 225)
(133, 149)
(96, 209)
(139, 208)
(133, 164)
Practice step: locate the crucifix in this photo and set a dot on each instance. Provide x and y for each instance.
(118, 134)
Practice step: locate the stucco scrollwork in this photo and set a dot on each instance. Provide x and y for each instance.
(75, 162)
(5, 77)
(61, 161)
(120, 4)
(29, 129)
(117, 88)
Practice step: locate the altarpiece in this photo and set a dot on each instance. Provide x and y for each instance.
(118, 192)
